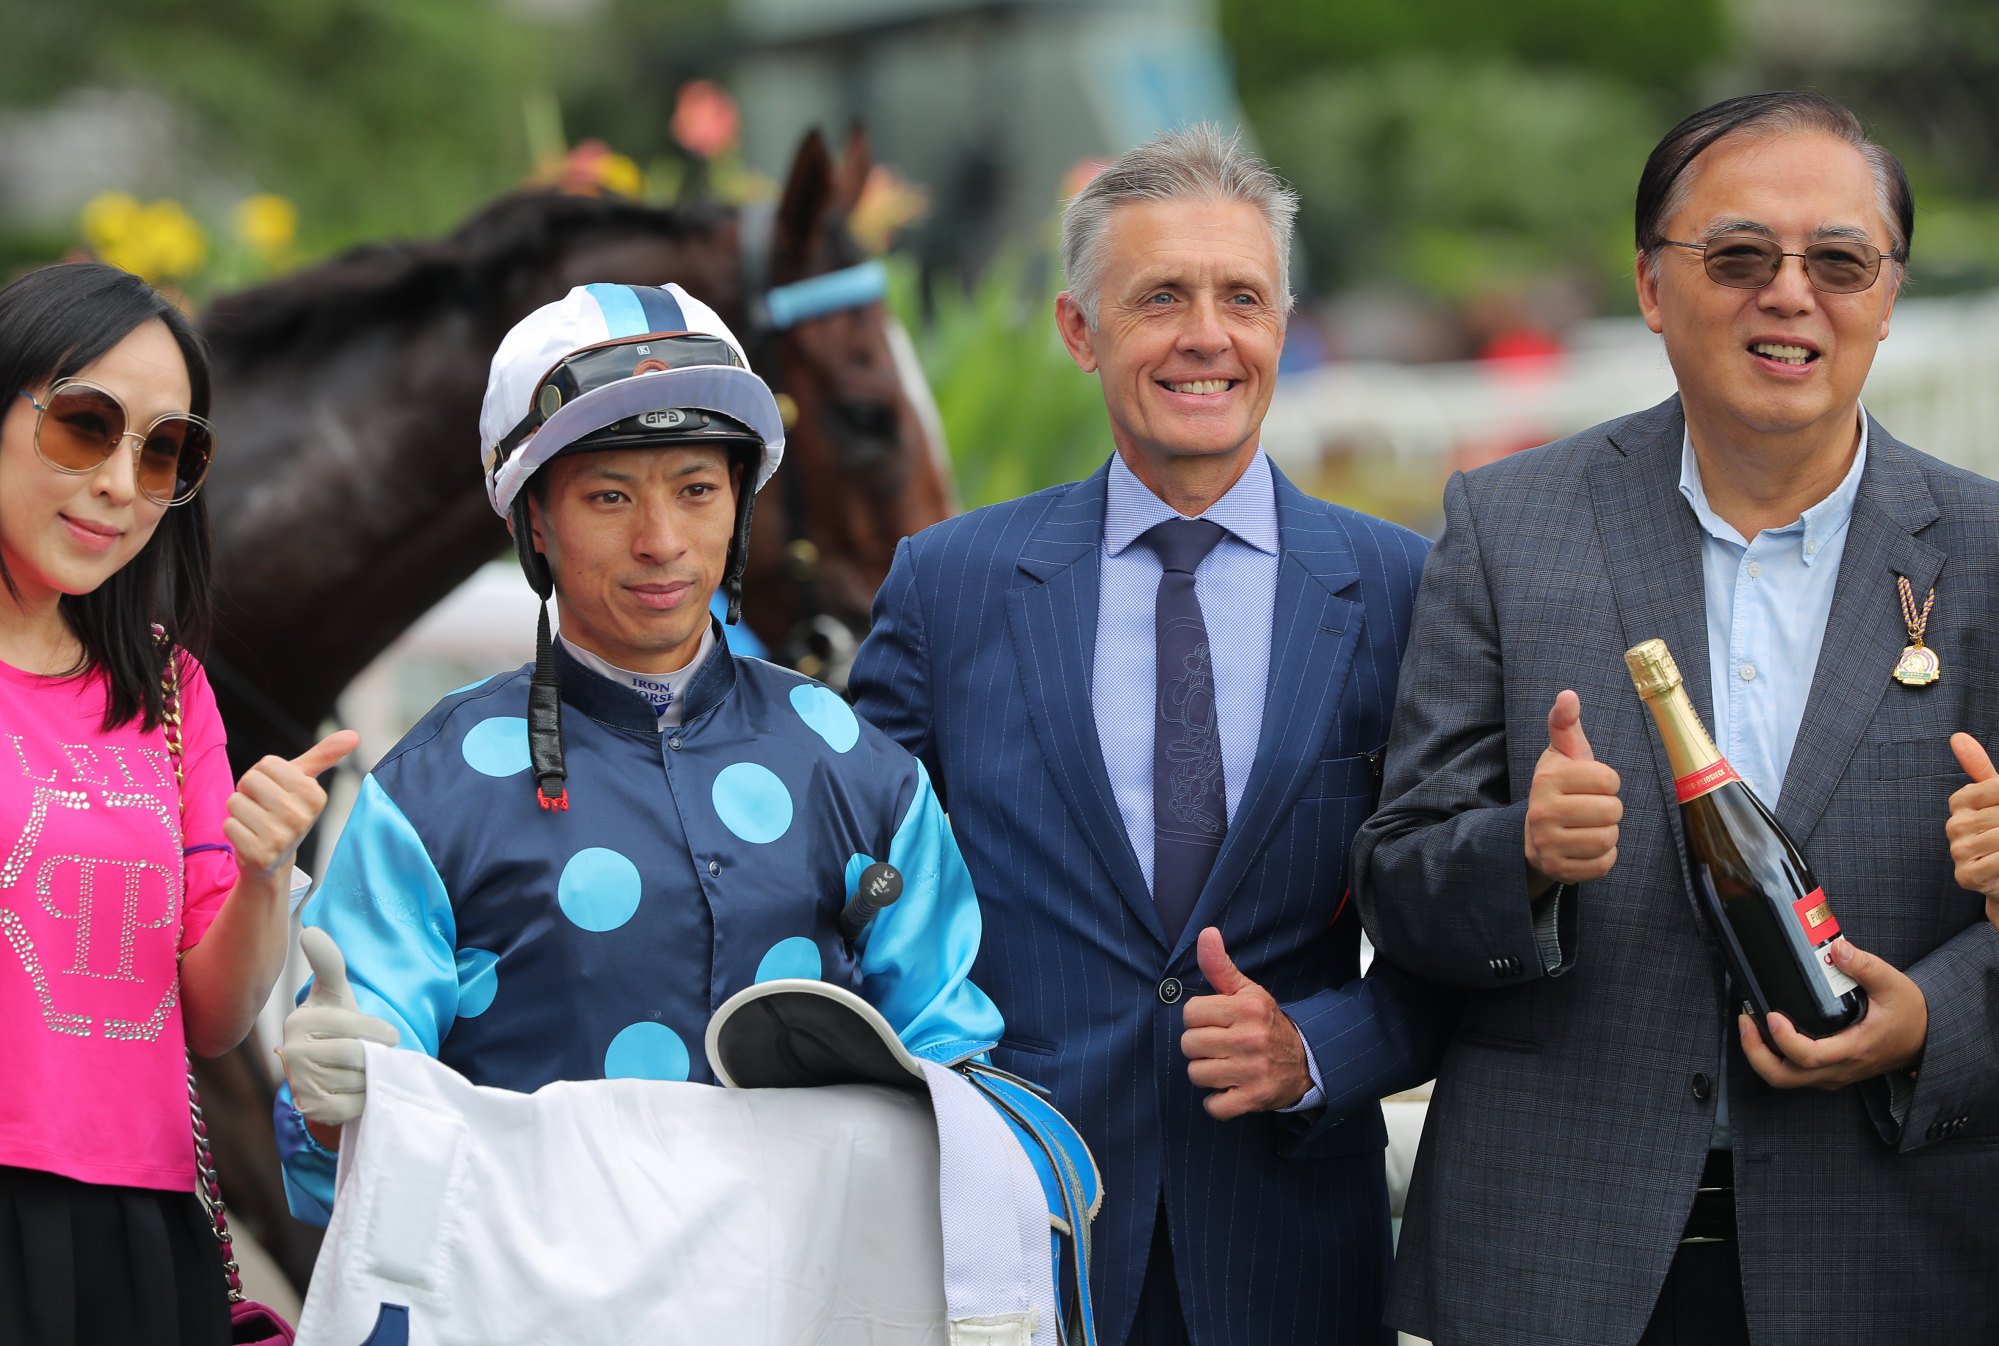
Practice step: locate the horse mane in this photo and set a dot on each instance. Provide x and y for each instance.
(467, 269)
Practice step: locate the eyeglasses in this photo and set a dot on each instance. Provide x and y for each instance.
(594, 367)
(81, 425)
(1750, 261)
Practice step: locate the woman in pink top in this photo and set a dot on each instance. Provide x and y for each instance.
(140, 916)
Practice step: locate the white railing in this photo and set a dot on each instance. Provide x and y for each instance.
(1935, 384)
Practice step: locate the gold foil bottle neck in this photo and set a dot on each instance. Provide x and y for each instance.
(1653, 671)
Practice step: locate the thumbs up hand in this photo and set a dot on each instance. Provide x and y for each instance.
(277, 802)
(1238, 1042)
(1973, 828)
(1572, 805)
(323, 1037)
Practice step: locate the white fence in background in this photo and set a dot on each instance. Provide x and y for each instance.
(1935, 384)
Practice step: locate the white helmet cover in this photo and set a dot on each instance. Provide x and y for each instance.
(590, 315)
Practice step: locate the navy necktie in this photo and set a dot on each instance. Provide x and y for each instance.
(1189, 803)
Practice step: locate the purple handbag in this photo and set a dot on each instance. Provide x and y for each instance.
(250, 1323)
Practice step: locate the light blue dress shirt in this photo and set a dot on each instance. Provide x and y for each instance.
(1237, 587)
(1768, 600)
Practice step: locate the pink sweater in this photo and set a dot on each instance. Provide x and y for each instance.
(98, 894)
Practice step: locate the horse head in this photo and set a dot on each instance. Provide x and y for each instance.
(865, 466)
(347, 495)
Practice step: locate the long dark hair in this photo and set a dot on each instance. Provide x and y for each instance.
(53, 323)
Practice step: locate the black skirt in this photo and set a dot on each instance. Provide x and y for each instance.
(86, 1264)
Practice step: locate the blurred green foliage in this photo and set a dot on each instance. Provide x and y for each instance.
(1455, 177)
(1660, 45)
(378, 118)
(1018, 414)
(1456, 147)
(1459, 147)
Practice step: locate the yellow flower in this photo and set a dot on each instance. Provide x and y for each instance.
(159, 241)
(179, 247)
(108, 218)
(618, 175)
(268, 223)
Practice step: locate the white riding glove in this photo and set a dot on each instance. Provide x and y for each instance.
(323, 1037)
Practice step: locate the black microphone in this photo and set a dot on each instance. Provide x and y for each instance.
(881, 884)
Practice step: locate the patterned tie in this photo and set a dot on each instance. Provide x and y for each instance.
(1189, 804)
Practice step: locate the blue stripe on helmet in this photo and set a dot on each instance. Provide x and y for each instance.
(661, 308)
(624, 312)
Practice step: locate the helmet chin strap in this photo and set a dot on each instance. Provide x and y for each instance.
(739, 546)
(545, 690)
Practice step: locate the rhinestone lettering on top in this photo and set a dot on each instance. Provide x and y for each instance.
(159, 773)
(85, 765)
(38, 818)
(109, 899)
(75, 1025)
(47, 777)
(148, 1028)
(101, 884)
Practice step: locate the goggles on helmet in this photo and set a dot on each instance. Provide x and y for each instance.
(607, 362)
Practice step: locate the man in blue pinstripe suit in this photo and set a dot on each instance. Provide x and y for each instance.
(1154, 702)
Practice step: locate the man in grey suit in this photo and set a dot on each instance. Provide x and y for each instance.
(1613, 1155)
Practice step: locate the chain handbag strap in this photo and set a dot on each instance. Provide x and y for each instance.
(208, 1188)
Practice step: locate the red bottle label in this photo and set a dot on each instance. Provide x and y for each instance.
(1815, 914)
(1705, 781)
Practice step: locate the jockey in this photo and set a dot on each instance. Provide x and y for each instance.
(562, 871)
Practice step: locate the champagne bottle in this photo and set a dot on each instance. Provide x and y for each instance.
(1769, 913)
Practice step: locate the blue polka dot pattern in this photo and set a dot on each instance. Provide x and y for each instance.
(855, 868)
(794, 957)
(752, 802)
(599, 889)
(646, 1051)
(478, 982)
(826, 715)
(498, 746)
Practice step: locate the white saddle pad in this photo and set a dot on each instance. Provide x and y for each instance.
(628, 1211)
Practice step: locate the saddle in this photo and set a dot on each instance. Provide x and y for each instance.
(797, 1033)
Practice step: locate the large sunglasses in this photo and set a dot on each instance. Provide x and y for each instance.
(1750, 261)
(594, 367)
(81, 425)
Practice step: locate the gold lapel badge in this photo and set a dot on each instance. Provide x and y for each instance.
(1919, 665)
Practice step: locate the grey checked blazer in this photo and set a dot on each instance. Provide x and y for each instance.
(1573, 1111)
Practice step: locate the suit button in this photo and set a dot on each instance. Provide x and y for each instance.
(1170, 991)
(714, 868)
(1703, 1086)
(674, 743)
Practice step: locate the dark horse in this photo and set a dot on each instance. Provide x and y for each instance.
(348, 499)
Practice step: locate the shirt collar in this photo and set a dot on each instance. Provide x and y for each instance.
(658, 691)
(1813, 528)
(1248, 510)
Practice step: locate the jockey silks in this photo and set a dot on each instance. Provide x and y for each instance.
(521, 946)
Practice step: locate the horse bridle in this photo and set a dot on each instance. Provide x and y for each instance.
(820, 645)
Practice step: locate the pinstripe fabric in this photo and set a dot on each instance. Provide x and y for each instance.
(1566, 1134)
(980, 662)
(1236, 583)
